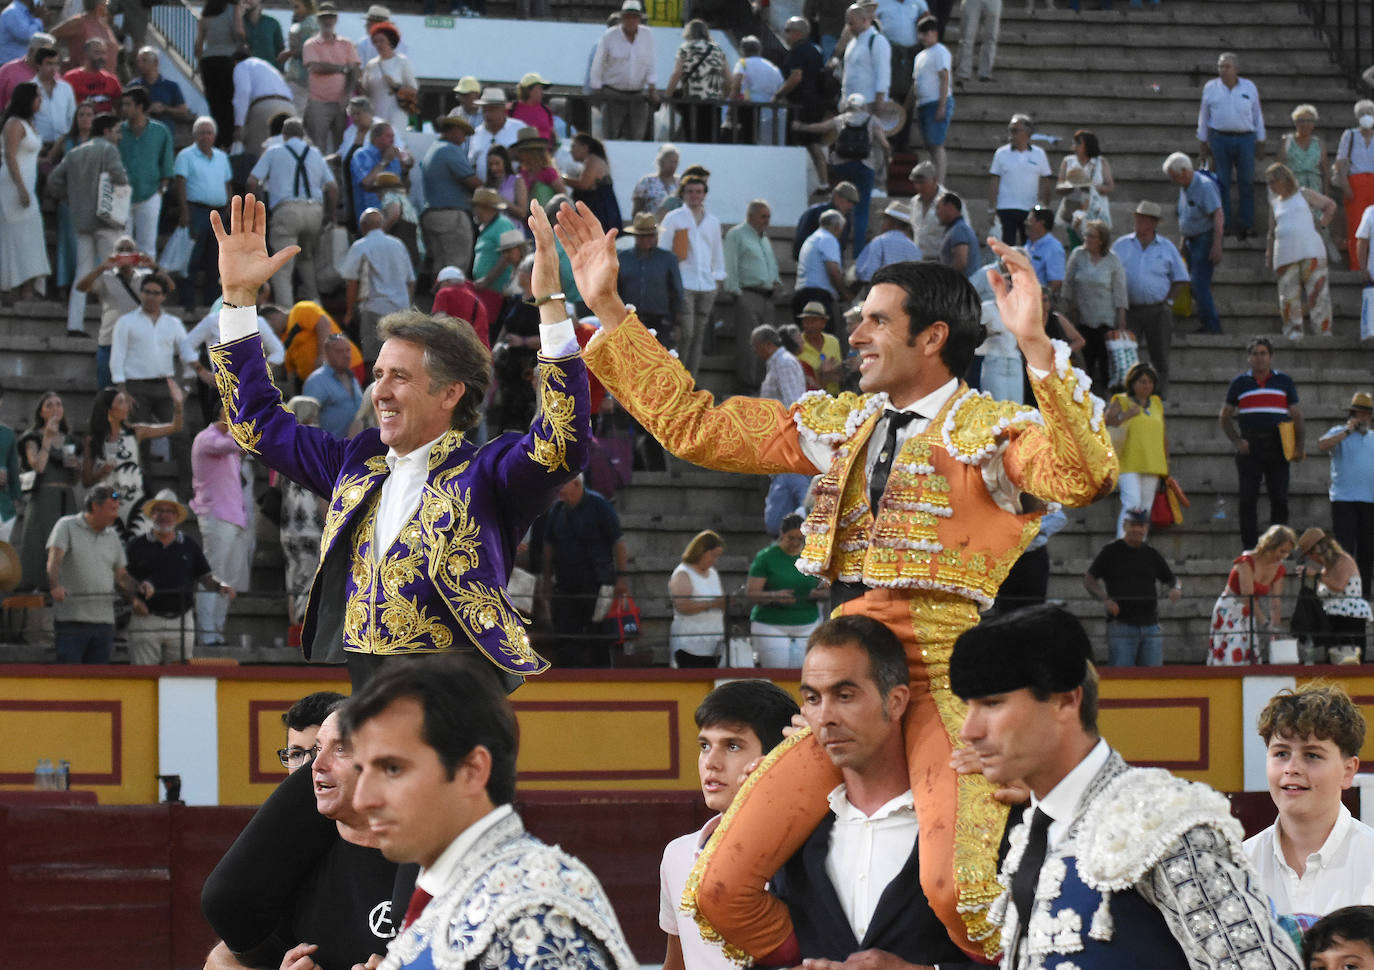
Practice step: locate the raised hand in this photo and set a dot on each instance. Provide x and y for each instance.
(595, 265)
(244, 264)
(1018, 301)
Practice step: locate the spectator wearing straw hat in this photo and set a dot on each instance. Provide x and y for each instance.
(497, 128)
(893, 244)
(1155, 274)
(1351, 447)
(376, 14)
(623, 75)
(469, 90)
(493, 268)
(449, 179)
(167, 565)
(333, 65)
(751, 276)
(390, 280)
(529, 108)
(650, 278)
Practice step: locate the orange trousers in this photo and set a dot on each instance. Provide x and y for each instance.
(779, 807)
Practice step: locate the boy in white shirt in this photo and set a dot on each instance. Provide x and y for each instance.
(737, 724)
(1316, 857)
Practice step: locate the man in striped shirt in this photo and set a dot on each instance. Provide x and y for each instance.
(1257, 403)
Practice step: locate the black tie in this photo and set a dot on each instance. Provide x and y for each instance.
(1028, 872)
(882, 468)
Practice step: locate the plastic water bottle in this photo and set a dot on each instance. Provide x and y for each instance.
(1220, 512)
(43, 775)
(63, 775)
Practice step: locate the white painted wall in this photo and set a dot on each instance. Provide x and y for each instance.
(188, 736)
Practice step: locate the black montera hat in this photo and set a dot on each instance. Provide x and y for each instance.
(1040, 647)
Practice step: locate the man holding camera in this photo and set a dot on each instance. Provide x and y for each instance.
(1351, 448)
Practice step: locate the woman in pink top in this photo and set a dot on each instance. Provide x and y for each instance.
(529, 105)
(221, 505)
(1250, 602)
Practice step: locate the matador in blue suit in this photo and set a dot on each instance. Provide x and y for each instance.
(422, 525)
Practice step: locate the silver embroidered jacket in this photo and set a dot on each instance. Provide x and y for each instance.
(1149, 874)
(515, 904)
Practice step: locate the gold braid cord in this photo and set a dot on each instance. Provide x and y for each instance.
(1070, 458)
(979, 818)
(689, 892)
(742, 434)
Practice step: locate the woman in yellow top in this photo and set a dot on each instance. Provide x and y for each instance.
(1144, 453)
(820, 351)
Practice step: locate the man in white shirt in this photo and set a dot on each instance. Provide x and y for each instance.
(926, 228)
(1230, 127)
(57, 108)
(390, 280)
(624, 75)
(867, 59)
(421, 521)
(693, 235)
(1316, 857)
(303, 195)
(1020, 178)
(497, 128)
(488, 893)
(143, 350)
(864, 855)
(260, 94)
(1083, 884)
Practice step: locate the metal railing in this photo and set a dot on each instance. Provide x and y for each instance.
(1349, 28)
(178, 24)
(697, 121)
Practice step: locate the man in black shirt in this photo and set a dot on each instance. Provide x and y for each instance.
(296, 883)
(167, 565)
(801, 87)
(1123, 577)
(579, 548)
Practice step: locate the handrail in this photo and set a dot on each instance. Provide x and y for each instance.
(176, 24)
(1349, 29)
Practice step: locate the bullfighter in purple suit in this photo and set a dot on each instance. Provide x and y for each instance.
(422, 525)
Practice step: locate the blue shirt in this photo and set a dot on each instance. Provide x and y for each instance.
(960, 233)
(1151, 271)
(278, 169)
(821, 247)
(892, 246)
(1196, 202)
(17, 25)
(205, 177)
(338, 404)
(365, 159)
(1352, 466)
(1261, 405)
(162, 90)
(809, 222)
(445, 166)
(651, 280)
(1047, 257)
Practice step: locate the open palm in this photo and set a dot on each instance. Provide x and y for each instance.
(244, 264)
(1019, 304)
(591, 252)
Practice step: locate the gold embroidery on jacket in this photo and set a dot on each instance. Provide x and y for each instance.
(557, 412)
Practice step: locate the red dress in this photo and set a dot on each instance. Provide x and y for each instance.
(1234, 639)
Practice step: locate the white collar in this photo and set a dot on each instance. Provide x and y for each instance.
(1061, 801)
(410, 458)
(846, 812)
(930, 405)
(1331, 848)
(440, 876)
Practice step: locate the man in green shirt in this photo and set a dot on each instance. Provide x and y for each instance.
(85, 565)
(262, 34)
(145, 147)
(751, 276)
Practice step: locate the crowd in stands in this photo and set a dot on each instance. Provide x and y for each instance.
(318, 124)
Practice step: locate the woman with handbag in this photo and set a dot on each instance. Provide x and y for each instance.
(1136, 420)
(389, 78)
(698, 627)
(1353, 173)
(1250, 602)
(1094, 293)
(1341, 595)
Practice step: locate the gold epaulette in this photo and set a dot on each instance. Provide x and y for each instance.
(976, 422)
(833, 418)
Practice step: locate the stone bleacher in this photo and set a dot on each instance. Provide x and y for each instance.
(1133, 76)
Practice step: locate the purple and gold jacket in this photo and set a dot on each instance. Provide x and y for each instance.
(442, 582)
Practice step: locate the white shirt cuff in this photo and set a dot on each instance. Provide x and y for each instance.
(557, 339)
(237, 323)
